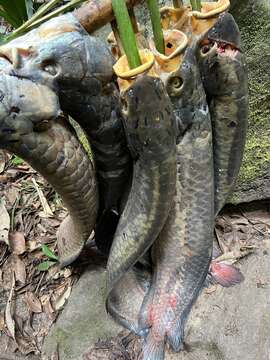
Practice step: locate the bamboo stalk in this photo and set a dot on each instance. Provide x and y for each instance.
(156, 25)
(126, 33)
(194, 5)
(199, 5)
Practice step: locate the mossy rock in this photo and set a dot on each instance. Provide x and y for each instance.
(253, 17)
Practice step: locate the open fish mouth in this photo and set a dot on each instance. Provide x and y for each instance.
(210, 48)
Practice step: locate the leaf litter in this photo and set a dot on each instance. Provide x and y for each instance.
(30, 299)
(33, 289)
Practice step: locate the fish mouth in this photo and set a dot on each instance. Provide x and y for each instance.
(226, 49)
(210, 48)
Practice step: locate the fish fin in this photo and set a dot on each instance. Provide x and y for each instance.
(175, 335)
(105, 230)
(145, 314)
(112, 309)
(153, 349)
(225, 275)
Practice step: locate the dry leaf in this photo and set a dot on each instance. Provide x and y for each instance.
(47, 306)
(4, 222)
(19, 269)
(33, 302)
(60, 302)
(211, 289)
(17, 242)
(26, 345)
(3, 159)
(47, 212)
(12, 194)
(8, 316)
(2, 322)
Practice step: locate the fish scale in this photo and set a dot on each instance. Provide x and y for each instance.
(55, 152)
(182, 252)
(152, 141)
(224, 75)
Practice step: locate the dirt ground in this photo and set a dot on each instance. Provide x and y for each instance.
(33, 290)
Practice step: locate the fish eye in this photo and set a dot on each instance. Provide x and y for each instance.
(50, 67)
(205, 48)
(177, 82)
(175, 85)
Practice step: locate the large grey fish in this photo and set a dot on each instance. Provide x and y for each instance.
(182, 253)
(62, 54)
(224, 75)
(150, 129)
(28, 128)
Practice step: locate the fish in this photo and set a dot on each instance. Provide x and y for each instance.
(150, 129)
(112, 158)
(224, 75)
(48, 55)
(182, 252)
(30, 127)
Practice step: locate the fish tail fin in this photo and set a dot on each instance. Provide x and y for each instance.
(145, 314)
(175, 335)
(153, 349)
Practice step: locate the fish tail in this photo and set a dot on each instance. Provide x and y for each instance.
(145, 317)
(175, 335)
(153, 349)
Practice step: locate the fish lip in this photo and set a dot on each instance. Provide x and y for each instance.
(225, 31)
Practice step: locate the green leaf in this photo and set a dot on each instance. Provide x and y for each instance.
(46, 251)
(16, 160)
(45, 265)
(15, 11)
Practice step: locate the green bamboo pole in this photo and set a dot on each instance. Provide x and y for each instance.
(126, 33)
(196, 5)
(157, 30)
(199, 5)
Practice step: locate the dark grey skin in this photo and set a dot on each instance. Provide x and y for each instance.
(62, 55)
(182, 253)
(224, 75)
(150, 129)
(52, 148)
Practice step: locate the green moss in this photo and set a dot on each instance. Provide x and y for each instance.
(255, 32)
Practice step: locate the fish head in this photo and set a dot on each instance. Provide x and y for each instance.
(61, 55)
(148, 117)
(220, 56)
(24, 106)
(184, 86)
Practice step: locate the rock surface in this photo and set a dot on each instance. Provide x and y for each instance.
(84, 319)
(225, 324)
(253, 17)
